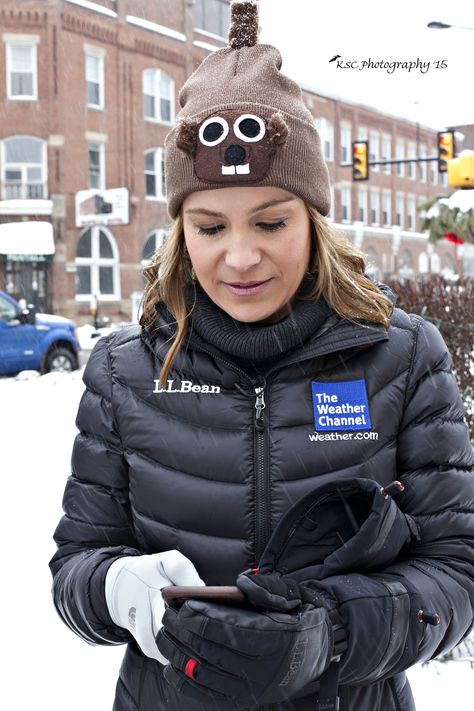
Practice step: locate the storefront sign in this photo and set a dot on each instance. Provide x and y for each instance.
(29, 257)
(102, 207)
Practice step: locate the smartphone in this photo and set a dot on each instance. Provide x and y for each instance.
(176, 595)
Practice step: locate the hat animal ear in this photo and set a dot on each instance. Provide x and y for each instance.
(186, 136)
(278, 130)
(243, 30)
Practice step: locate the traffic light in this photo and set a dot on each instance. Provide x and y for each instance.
(461, 171)
(446, 149)
(360, 160)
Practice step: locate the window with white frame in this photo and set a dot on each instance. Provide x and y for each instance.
(435, 263)
(346, 156)
(411, 213)
(400, 211)
(374, 207)
(373, 267)
(326, 134)
(386, 208)
(346, 195)
(22, 72)
(406, 264)
(158, 96)
(374, 149)
(212, 16)
(330, 215)
(423, 165)
(362, 203)
(95, 165)
(433, 173)
(362, 134)
(444, 180)
(155, 174)
(95, 79)
(24, 168)
(411, 167)
(400, 155)
(387, 153)
(97, 264)
(423, 263)
(153, 242)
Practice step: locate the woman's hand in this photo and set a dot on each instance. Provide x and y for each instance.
(133, 593)
(242, 657)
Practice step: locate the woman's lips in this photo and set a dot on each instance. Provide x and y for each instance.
(247, 288)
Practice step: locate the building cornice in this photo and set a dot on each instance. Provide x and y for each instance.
(87, 27)
(22, 19)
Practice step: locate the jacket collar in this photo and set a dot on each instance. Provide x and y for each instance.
(336, 334)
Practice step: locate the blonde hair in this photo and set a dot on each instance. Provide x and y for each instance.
(338, 268)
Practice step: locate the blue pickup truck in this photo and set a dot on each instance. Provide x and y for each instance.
(33, 341)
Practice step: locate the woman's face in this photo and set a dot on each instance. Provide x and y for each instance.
(250, 248)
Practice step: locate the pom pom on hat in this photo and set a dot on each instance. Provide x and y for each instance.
(243, 30)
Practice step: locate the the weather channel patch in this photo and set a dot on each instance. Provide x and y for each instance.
(341, 406)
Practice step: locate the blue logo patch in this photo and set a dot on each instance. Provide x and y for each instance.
(341, 406)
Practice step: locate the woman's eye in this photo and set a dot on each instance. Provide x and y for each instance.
(271, 226)
(209, 230)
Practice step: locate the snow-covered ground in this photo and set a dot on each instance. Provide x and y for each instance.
(47, 666)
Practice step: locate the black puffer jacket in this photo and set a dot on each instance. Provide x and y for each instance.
(204, 469)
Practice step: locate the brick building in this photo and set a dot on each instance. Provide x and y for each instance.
(381, 215)
(88, 91)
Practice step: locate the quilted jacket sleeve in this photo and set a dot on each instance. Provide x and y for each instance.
(96, 527)
(381, 610)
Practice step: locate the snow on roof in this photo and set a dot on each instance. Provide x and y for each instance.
(94, 7)
(205, 45)
(153, 27)
(310, 89)
(26, 238)
(26, 207)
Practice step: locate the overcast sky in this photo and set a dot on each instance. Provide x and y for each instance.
(309, 33)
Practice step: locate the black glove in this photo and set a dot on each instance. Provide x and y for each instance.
(236, 658)
(274, 592)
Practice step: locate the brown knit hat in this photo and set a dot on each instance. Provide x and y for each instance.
(243, 123)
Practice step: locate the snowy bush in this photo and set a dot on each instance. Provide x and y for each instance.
(450, 306)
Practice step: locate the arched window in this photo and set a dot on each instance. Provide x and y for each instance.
(373, 263)
(153, 242)
(24, 168)
(97, 263)
(435, 263)
(158, 96)
(449, 268)
(326, 134)
(423, 263)
(155, 187)
(406, 269)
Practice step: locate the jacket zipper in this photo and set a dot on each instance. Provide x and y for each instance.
(262, 479)
(262, 499)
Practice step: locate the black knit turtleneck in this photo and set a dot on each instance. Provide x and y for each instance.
(255, 341)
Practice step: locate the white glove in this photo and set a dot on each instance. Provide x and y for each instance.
(133, 593)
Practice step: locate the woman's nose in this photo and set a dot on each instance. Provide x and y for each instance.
(242, 254)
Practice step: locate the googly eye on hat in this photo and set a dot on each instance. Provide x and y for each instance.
(242, 123)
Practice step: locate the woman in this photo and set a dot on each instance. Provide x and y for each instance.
(266, 368)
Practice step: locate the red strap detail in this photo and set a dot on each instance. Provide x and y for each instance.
(254, 571)
(190, 668)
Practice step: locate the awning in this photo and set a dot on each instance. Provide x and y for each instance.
(26, 207)
(23, 241)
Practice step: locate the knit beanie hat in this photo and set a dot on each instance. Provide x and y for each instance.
(243, 123)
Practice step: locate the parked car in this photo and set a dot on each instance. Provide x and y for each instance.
(35, 341)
